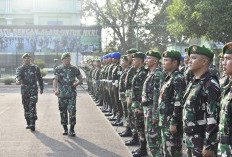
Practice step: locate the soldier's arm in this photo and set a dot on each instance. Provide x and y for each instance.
(40, 79)
(158, 81)
(179, 88)
(18, 77)
(79, 77)
(212, 110)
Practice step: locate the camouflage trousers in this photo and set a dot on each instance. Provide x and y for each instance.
(152, 133)
(67, 105)
(29, 105)
(224, 150)
(172, 143)
(117, 102)
(124, 107)
(138, 121)
(130, 113)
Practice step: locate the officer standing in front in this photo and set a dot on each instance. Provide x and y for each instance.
(200, 113)
(64, 84)
(225, 124)
(27, 75)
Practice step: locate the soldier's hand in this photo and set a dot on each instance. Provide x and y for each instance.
(41, 91)
(155, 121)
(75, 84)
(140, 111)
(207, 153)
(173, 129)
(17, 82)
(56, 92)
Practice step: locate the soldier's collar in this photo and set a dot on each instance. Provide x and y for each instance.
(203, 76)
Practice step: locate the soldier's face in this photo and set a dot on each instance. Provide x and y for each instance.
(150, 61)
(137, 62)
(27, 60)
(168, 64)
(125, 63)
(129, 58)
(196, 62)
(66, 61)
(227, 64)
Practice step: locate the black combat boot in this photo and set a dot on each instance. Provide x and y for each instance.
(126, 133)
(32, 125)
(72, 132)
(118, 122)
(142, 151)
(28, 124)
(65, 132)
(134, 141)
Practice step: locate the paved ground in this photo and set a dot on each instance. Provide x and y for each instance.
(95, 135)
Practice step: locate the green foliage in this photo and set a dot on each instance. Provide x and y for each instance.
(43, 73)
(198, 18)
(40, 63)
(8, 81)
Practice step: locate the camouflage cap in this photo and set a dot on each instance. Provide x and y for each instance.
(153, 53)
(26, 55)
(201, 50)
(227, 49)
(138, 55)
(66, 54)
(172, 54)
(132, 50)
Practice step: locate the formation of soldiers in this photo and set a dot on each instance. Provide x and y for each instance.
(183, 99)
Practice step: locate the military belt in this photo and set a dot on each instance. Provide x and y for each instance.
(192, 130)
(224, 139)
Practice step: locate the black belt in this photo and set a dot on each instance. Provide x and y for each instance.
(224, 139)
(192, 130)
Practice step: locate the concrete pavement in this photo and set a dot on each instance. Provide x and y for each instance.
(95, 137)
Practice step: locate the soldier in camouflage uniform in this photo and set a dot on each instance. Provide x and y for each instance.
(64, 84)
(150, 96)
(122, 88)
(101, 91)
(225, 125)
(171, 104)
(200, 113)
(136, 97)
(27, 75)
(116, 73)
(128, 83)
(187, 73)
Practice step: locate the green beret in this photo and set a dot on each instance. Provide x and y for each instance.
(138, 55)
(227, 49)
(201, 50)
(55, 59)
(26, 55)
(66, 54)
(153, 54)
(125, 57)
(172, 54)
(132, 50)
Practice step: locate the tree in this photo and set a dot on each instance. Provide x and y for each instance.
(122, 16)
(198, 18)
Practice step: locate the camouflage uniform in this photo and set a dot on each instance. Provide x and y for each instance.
(188, 75)
(170, 113)
(116, 73)
(150, 96)
(200, 114)
(66, 76)
(224, 80)
(122, 96)
(109, 87)
(28, 76)
(136, 95)
(225, 125)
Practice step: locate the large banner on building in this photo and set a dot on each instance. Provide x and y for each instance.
(50, 39)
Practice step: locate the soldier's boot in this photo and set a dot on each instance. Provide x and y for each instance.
(100, 103)
(134, 141)
(28, 124)
(142, 151)
(126, 133)
(72, 132)
(65, 132)
(118, 122)
(32, 125)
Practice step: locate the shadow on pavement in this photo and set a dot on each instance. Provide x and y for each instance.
(59, 149)
(94, 149)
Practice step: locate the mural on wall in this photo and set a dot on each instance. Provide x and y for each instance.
(50, 39)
